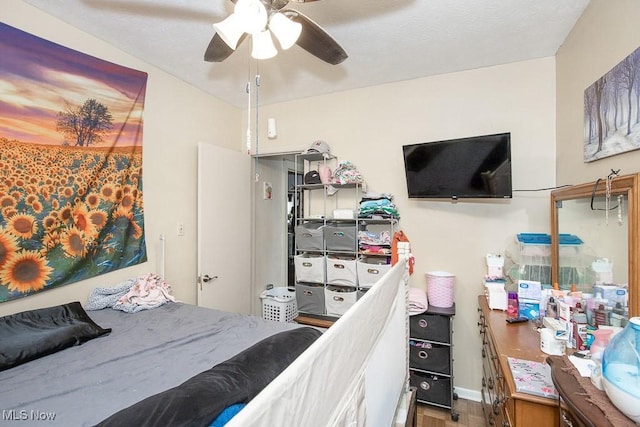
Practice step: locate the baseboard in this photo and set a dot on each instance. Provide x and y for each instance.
(465, 393)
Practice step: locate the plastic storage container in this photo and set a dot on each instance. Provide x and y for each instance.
(529, 258)
(279, 304)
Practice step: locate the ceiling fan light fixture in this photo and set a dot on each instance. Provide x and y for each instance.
(286, 31)
(263, 47)
(252, 15)
(229, 30)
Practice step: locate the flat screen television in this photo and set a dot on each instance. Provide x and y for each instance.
(475, 167)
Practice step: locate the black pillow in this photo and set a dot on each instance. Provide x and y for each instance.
(200, 400)
(32, 334)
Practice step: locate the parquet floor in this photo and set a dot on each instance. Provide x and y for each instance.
(470, 415)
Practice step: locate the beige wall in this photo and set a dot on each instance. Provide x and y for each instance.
(176, 117)
(369, 127)
(606, 33)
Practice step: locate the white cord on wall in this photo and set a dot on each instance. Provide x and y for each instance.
(162, 240)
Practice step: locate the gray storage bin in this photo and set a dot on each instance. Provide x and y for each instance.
(310, 298)
(309, 236)
(340, 237)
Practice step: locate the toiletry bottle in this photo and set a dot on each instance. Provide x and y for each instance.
(600, 316)
(512, 305)
(552, 309)
(579, 324)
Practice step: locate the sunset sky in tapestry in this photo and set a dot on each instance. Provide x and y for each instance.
(70, 165)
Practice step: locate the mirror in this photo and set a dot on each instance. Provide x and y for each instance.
(595, 241)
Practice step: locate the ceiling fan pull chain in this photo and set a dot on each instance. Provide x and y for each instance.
(257, 108)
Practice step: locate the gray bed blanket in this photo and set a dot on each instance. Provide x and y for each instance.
(146, 353)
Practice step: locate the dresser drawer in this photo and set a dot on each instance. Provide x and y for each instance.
(430, 327)
(427, 356)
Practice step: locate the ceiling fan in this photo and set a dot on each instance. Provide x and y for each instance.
(262, 18)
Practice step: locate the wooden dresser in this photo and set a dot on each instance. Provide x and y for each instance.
(502, 405)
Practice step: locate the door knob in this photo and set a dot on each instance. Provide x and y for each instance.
(206, 278)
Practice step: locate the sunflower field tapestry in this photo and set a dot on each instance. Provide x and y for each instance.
(70, 165)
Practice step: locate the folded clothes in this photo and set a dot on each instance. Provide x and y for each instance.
(417, 301)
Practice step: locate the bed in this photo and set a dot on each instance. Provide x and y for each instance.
(152, 362)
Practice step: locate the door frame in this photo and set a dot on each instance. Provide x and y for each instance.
(258, 246)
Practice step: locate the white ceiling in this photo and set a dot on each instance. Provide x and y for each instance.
(386, 41)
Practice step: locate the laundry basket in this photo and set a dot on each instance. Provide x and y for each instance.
(279, 304)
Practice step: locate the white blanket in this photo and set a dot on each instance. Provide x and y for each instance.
(132, 295)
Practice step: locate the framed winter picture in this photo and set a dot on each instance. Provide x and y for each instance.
(612, 111)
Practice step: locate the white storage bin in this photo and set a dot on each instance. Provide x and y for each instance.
(370, 269)
(310, 268)
(339, 299)
(279, 304)
(341, 270)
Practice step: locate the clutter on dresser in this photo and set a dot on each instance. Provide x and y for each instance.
(575, 317)
(494, 282)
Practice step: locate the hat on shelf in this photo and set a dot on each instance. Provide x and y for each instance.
(318, 147)
(312, 177)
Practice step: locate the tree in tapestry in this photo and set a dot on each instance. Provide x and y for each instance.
(70, 165)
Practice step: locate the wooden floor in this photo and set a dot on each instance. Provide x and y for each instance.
(470, 415)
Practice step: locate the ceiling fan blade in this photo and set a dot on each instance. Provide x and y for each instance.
(218, 50)
(315, 40)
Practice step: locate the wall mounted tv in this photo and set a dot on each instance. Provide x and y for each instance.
(475, 167)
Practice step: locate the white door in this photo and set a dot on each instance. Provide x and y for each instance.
(224, 229)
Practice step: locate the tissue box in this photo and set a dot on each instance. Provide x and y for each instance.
(495, 264)
(343, 214)
(529, 308)
(528, 289)
(612, 294)
(496, 295)
(564, 311)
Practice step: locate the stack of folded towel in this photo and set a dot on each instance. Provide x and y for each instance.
(417, 301)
